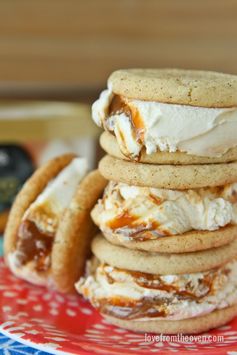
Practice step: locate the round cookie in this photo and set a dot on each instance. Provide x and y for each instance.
(71, 243)
(162, 263)
(76, 230)
(168, 176)
(194, 325)
(177, 86)
(109, 143)
(184, 243)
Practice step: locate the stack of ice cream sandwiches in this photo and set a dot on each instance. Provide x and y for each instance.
(166, 260)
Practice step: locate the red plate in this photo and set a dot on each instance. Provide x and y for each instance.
(60, 324)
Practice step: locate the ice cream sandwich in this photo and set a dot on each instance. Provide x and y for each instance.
(49, 229)
(182, 293)
(171, 141)
(169, 116)
(165, 220)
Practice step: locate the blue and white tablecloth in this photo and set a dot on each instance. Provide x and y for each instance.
(11, 347)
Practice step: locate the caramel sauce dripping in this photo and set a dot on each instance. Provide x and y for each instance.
(125, 308)
(143, 232)
(120, 105)
(155, 282)
(34, 244)
(146, 233)
(147, 307)
(156, 199)
(138, 124)
(122, 220)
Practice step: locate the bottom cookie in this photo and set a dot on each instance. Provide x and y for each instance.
(189, 303)
(109, 143)
(187, 326)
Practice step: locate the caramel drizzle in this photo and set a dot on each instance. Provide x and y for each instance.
(34, 245)
(120, 105)
(122, 220)
(147, 307)
(125, 308)
(155, 282)
(157, 200)
(143, 232)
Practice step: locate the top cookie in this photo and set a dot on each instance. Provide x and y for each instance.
(176, 86)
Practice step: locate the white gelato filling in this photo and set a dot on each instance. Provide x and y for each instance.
(49, 206)
(101, 106)
(27, 272)
(95, 286)
(162, 211)
(168, 127)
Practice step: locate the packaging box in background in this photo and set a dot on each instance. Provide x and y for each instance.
(31, 132)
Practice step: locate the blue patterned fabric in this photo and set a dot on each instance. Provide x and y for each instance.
(11, 347)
